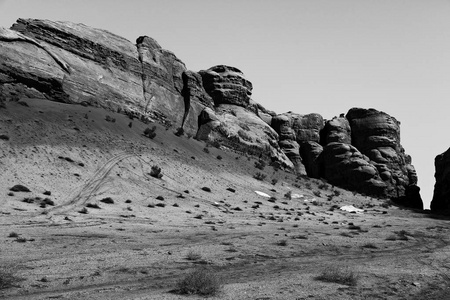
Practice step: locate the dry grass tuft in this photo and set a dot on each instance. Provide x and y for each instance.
(200, 281)
(339, 275)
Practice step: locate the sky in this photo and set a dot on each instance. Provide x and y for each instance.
(322, 56)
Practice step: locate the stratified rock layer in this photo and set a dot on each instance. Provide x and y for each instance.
(441, 197)
(77, 64)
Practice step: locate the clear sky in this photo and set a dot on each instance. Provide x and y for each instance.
(322, 56)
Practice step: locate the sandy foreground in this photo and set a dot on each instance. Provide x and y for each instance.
(139, 247)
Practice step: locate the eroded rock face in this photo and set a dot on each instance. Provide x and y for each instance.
(337, 130)
(74, 63)
(294, 130)
(227, 85)
(345, 166)
(240, 129)
(377, 135)
(441, 196)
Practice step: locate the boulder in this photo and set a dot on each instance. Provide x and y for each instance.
(441, 196)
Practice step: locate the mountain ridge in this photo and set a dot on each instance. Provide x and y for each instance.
(77, 64)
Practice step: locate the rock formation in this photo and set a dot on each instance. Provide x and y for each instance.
(77, 64)
(441, 197)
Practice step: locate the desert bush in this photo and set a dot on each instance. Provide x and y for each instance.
(323, 186)
(370, 246)
(282, 243)
(260, 176)
(206, 189)
(21, 240)
(260, 164)
(288, 195)
(206, 150)
(48, 201)
(7, 278)
(354, 227)
(156, 172)
(200, 281)
(110, 119)
(193, 256)
(274, 181)
(402, 235)
(13, 234)
(339, 275)
(336, 193)
(391, 237)
(317, 194)
(219, 157)
(179, 132)
(150, 132)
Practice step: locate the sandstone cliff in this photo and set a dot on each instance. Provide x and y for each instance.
(77, 64)
(441, 197)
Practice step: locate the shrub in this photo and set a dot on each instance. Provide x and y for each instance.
(339, 275)
(317, 193)
(206, 150)
(179, 132)
(13, 234)
(200, 282)
(150, 132)
(260, 164)
(156, 172)
(370, 246)
(7, 279)
(206, 189)
(259, 176)
(110, 119)
(288, 195)
(282, 243)
(193, 256)
(274, 181)
(48, 201)
(323, 186)
(219, 157)
(21, 240)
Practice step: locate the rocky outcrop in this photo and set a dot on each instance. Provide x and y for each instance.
(227, 85)
(377, 135)
(77, 64)
(294, 130)
(441, 196)
(345, 166)
(337, 130)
